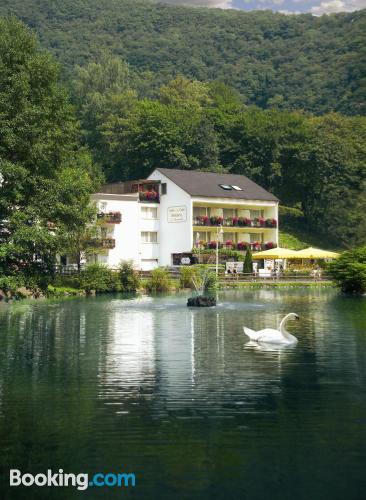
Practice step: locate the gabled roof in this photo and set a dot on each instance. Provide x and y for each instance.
(207, 184)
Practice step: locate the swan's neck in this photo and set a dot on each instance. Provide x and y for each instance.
(283, 330)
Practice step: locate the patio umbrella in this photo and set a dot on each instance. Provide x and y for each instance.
(316, 253)
(276, 253)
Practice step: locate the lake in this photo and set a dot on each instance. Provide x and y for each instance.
(177, 396)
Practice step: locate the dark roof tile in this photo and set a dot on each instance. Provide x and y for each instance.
(207, 184)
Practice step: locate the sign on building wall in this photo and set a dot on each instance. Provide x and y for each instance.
(177, 214)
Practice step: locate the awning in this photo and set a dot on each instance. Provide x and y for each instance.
(276, 253)
(316, 253)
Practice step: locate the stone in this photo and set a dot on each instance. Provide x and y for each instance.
(201, 301)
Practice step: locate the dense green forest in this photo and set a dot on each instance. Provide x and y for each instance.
(291, 62)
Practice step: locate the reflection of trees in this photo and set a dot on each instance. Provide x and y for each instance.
(178, 397)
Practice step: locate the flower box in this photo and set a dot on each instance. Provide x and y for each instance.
(213, 244)
(244, 222)
(256, 246)
(152, 196)
(271, 223)
(242, 245)
(269, 245)
(110, 217)
(202, 220)
(216, 220)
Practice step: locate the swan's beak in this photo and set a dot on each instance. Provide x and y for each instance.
(297, 317)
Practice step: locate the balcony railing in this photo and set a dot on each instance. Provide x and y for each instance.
(107, 243)
(215, 221)
(110, 217)
(241, 245)
(149, 196)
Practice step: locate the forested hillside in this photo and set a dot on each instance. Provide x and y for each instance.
(291, 62)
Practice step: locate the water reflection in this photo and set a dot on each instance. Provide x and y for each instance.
(147, 380)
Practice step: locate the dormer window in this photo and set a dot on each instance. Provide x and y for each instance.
(237, 188)
(225, 186)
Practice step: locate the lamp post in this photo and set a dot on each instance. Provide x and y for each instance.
(198, 245)
(219, 231)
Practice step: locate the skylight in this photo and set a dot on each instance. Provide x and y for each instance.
(237, 188)
(225, 186)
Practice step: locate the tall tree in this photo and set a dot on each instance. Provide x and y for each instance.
(46, 178)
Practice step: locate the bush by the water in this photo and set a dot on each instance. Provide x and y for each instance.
(349, 271)
(128, 277)
(56, 292)
(159, 281)
(99, 278)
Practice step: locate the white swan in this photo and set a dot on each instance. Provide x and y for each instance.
(271, 336)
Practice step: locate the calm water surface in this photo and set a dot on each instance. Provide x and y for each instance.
(178, 397)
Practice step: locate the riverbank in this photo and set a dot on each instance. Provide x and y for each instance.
(68, 292)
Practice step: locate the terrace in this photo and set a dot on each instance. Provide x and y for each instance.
(148, 190)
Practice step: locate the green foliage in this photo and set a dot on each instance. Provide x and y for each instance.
(224, 254)
(272, 60)
(349, 271)
(159, 281)
(46, 178)
(248, 262)
(99, 278)
(57, 292)
(288, 240)
(187, 275)
(128, 277)
(10, 284)
(211, 281)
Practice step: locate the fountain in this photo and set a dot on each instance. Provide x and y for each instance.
(200, 283)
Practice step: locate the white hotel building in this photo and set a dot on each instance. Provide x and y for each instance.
(147, 221)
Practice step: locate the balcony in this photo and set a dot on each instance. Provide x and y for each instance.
(110, 217)
(106, 243)
(149, 196)
(238, 222)
(241, 246)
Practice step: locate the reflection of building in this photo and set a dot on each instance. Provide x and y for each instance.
(173, 210)
(129, 358)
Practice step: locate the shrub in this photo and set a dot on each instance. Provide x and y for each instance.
(211, 282)
(55, 292)
(159, 281)
(99, 278)
(128, 277)
(187, 274)
(349, 271)
(10, 284)
(248, 262)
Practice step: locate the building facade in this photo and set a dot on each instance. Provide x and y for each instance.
(148, 221)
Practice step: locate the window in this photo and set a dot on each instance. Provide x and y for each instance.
(254, 237)
(237, 188)
(200, 236)
(197, 211)
(229, 212)
(229, 237)
(163, 188)
(225, 186)
(256, 214)
(149, 212)
(149, 237)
